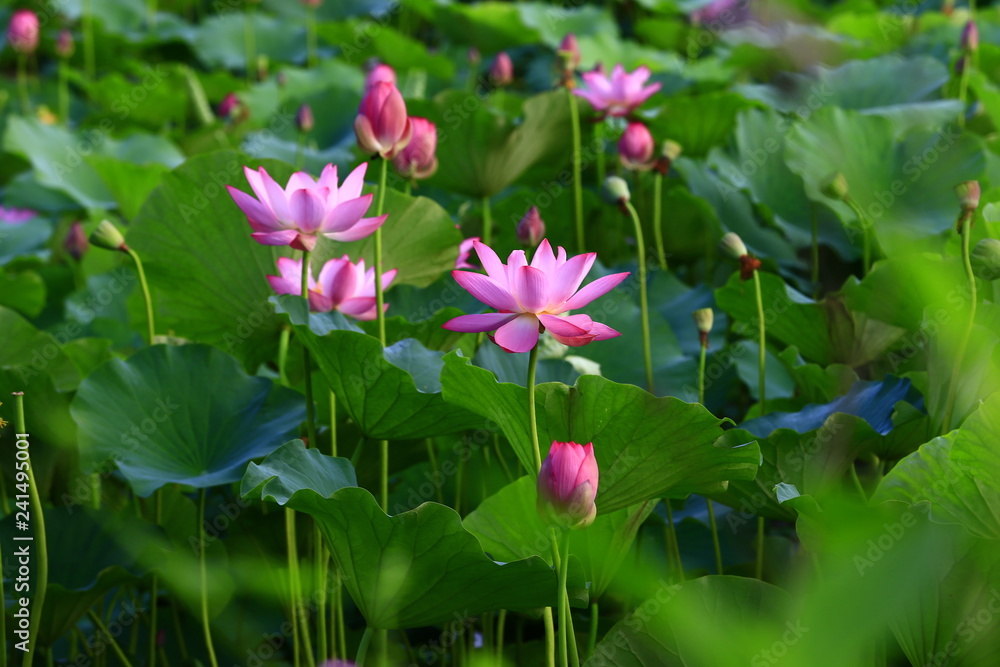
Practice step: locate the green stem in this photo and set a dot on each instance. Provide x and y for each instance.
(866, 253)
(643, 303)
(599, 136)
(963, 88)
(715, 536)
(63, 93)
(661, 253)
(503, 461)
(286, 332)
(435, 469)
(384, 480)
(203, 572)
(22, 83)
(312, 57)
(815, 243)
(574, 116)
(3, 617)
(487, 222)
(550, 637)
(291, 551)
(533, 426)
(574, 653)
(341, 631)
(760, 548)
(592, 634)
(408, 187)
(40, 538)
(674, 544)
(366, 639)
(501, 623)
(701, 374)
(307, 361)
(249, 42)
(321, 562)
(104, 630)
(379, 297)
(89, 61)
(560, 558)
(383, 647)
(956, 369)
(762, 358)
(145, 293)
(154, 587)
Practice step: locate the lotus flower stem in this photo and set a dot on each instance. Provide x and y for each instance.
(408, 187)
(560, 553)
(672, 544)
(22, 83)
(599, 142)
(293, 598)
(3, 617)
(87, 18)
(145, 293)
(866, 253)
(250, 41)
(154, 585)
(203, 573)
(321, 560)
(592, 633)
(341, 632)
(762, 357)
(63, 92)
(643, 302)
(312, 58)
(956, 369)
(380, 314)
(711, 508)
(532, 425)
(661, 254)
(574, 653)
(501, 622)
(96, 620)
(366, 639)
(286, 332)
(41, 541)
(574, 116)
(435, 469)
(963, 89)
(487, 222)
(550, 637)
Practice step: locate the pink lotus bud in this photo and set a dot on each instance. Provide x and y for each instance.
(970, 38)
(380, 72)
(569, 49)
(304, 120)
(230, 107)
(968, 193)
(76, 243)
(22, 32)
(418, 159)
(64, 44)
(502, 70)
(567, 485)
(531, 228)
(382, 125)
(636, 147)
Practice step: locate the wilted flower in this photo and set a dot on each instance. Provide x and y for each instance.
(107, 236)
(304, 119)
(305, 209)
(382, 125)
(418, 159)
(733, 245)
(22, 31)
(615, 190)
(567, 485)
(533, 298)
(502, 70)
(636, 146)
(342, 286)
(64, 44)
(703, 320)
(380, 73)
(75, 242)
(531, 228)
(621, 94)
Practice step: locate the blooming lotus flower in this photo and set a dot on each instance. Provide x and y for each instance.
(382, 125)
(418, 160)
(533, 298)
(567, 485)
(621, 94)
(462, 262)
(22, 31)
(380, 72)
(342, 285)
(502, 70)
(635, 148)
(305, 209)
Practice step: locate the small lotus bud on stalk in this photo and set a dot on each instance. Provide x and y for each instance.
(636, 147)
(304, 119)
(835, 187)
(65, 45)
(969, 41)
(108, 237)
(703, 319)
(567, 486)
(615, 191)
(669, 152)
(968, 199)
(531, 228)
(231, 109)
(418, 160)
(733, 245)
(502, 70)
(568, 60)
(75, 242)
(985, 259)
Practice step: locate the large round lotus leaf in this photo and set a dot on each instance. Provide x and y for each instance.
(185, 415)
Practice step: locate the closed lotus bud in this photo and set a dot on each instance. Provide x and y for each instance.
(703, 319)
(733, 245)
(968, 195)
(419, 159)
(502, 70)
(569, 49)
(382, 125)
(22, 32)
(304, 120)
(985, 258)
(835, 186)
(635, 148)
(75, 242)
(615, 190)
(969, 41)
(567, 485)
(230, 107)
(531, 228)
(380, 72)
(108, 237)
(65, 44)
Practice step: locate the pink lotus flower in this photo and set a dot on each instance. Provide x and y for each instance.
(306, 209)
(342, 286)
(567, 485)
(15, 216)
(22, 31)
(380, 72)
(464, 249)
(76, 243)
(502, 70)
(418, 160)
(530, 228)
(230, 107)
(382, 125)
(621, 94)
(635, 148)
(533, 298)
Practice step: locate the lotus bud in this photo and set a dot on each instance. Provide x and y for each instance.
(569, 50)
(636, 146)
(703, 319)
(380, 72)
(304, 120)
(835, 186)
(64, 44)
(531, 228)
(108, 237)
(567, 485)
(502, 70)
(985, 258)
(968, 195)
(733, 245)
(969, 41)
(615, 190)
(419, 160)
(75, 242)
(230, 107)
(22, 31)
(382, 125)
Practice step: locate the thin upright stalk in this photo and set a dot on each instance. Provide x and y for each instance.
(815, 243)
(366, 639)
(22, 83)
(286, 332)
(63, 92)
(866, 253)
(408, 187)
(154, 585)
(312, 57)
(487, 222)
(574, 116)
(762, 357)
(40, 539)
(550, 637)
(661, 254)
(674, 545)
(203, 573)
(963, 87)
(532, 425)
(592, 633)
(560, 553)
(643, 301)
(435, 470)
(956, 369)
(501, 623)
(145, 293)
(307, 360)
(291, 551)
(380, 314)
(599, 141)
(300, 143)
(104, 630)
(711, 508)
(3, 616)
(250, 41)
